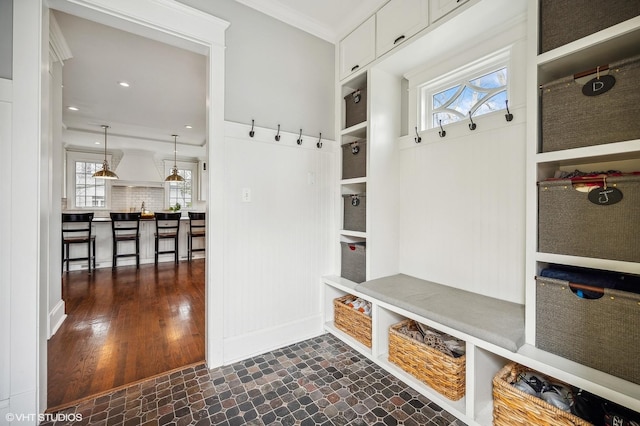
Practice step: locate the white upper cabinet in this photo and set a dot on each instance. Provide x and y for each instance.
(397, 21)
(439, 8)
(358, 48)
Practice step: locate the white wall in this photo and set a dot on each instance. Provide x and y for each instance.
(275, 73)
(462, 197)
(278, 244)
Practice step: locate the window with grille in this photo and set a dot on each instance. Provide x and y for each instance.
(182, 192)
(89, 192)
(473, 90)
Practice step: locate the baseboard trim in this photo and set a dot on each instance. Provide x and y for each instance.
(265, 340)
(56, 317)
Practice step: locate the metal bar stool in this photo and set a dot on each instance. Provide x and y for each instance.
(197, 225)
(125, 227)
(76, 229)
(167, 228)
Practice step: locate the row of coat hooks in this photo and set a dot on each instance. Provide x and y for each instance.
(472, 126)
(252, 133)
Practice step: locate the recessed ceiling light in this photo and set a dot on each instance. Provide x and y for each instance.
(96, 143)
(188, 126)
(123, 84)
(72, 108)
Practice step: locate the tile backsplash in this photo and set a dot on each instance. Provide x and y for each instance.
(123, 198)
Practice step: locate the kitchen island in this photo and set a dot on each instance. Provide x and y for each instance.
(101, 228)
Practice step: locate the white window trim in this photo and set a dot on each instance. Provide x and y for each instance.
(485, 65)
(72, 157)
(190, 165)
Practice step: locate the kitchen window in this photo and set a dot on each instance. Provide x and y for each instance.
(181, 192)
(475, 89)
(83, 191)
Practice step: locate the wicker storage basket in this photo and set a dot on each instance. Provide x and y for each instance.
(355, 107)
(353, 322)
(582, 17)
(572, 120)
(568, 223)
(355, 212)
(354, 161)
(601, 333)
(512, 407)
(353, 261)
(442, 372)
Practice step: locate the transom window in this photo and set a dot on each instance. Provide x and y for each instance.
(476, 89)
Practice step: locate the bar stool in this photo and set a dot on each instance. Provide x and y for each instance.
(76, 229)
(167, 228)
(197, 227)
(125, 227)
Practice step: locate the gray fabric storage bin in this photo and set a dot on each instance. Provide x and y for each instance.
(572, 120)
(354, 165)
(564, 21)
(355, 216)
(600, 333)
(355, 107)
(353, 261)
(568, 223)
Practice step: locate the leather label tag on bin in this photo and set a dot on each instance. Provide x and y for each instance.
(605, 196)
(599, 85)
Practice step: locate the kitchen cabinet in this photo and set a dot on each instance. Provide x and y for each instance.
(439, 8)
(397, 21)
(358, 48)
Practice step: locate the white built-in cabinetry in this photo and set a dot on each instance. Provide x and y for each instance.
(382, 78)
(358, 49)
(397, 21)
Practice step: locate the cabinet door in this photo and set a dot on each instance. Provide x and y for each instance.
(439, 8)
(358, 48)
(397, 21)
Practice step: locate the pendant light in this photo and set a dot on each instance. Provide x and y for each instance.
(105, 173)
(174, 176)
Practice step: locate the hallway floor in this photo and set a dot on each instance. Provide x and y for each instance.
(320, 381)
(125, 325)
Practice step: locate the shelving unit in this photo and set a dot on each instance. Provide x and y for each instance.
(382, 131)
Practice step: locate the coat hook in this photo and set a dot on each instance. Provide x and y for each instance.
(442, 132)
(319, 144)
(508, 115)
(278, 134)
(418, 139)
(299, 141)
(252, 133)
(472, 125)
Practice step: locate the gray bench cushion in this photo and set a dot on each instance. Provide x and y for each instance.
(489, 319)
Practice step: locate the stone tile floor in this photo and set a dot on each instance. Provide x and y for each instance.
(320, 381)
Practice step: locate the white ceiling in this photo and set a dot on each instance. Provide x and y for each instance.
(167, 88)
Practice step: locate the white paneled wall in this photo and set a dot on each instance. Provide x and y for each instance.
(462, 207)
(278, 238)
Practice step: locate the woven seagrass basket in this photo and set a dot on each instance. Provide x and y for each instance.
(353, 322)
(512, 407)
(440, 371)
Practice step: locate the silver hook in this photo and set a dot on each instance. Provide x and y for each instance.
(418, 139)
(278, 134)
(299, 141)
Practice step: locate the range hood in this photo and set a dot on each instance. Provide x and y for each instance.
(138, 168)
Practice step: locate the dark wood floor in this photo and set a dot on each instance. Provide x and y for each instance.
(124, 326)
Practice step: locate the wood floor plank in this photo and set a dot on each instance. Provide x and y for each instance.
(125, 325)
